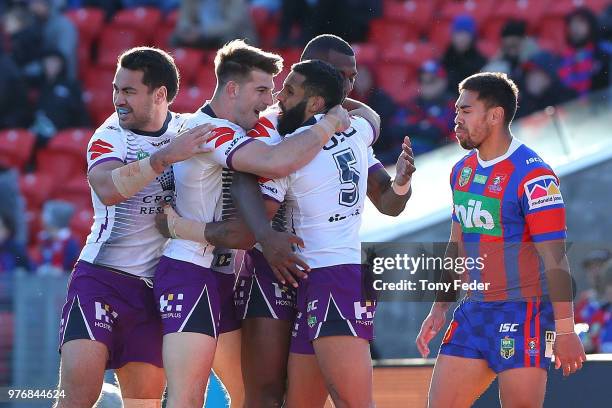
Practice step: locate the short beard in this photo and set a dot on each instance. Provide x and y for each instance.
(292, 119)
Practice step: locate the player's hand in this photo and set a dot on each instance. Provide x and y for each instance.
(405, 164)
(569, 353)
(285, 264)
(432, 324)
(340, 118)
(162, 220)
(184, 146)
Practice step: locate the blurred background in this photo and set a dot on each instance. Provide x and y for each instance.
(57, 62)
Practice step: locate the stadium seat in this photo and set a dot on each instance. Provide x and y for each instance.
(36, 188)
(206, 82)
(88, 21)
(162, 37)
(114, 40)
(99, 101)
(551, 32)
(143, 19)
(75, 191)
(488, 48)
(396, 79)
(366, 53)
(189, 99)
(98, 77)
(266, 25)
(72, 141)
(413, 12)
(480, 10)
(81, 223)
(16, 147)
(412, 53)
(560, 8)
(61, 164)
(531, 11)
(440, 34)
(188, 61)
(384, 32)
(172, 18)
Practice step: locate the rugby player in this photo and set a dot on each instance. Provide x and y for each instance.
(508, 210)
(190, 294)
(109, 319)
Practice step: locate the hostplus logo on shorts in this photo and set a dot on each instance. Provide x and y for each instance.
(284, 295)
(170, 305)
(105, 316)
(478, 214)
(364, 312)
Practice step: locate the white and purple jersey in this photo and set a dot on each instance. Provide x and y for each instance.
(123, 236)
(198, 184)
(324, 200)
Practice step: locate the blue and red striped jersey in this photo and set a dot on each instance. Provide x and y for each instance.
(504, 206)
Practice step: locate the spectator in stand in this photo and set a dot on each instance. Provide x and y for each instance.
(606, 312)
(462, 58)
(58, 249)
(109, 6)
(14, 108)
(12, 254)
(25, 38)
(212, 23)
(366, 91)
(516, 48)
(164, 5)
(584, 66)
(58, 32)
(60, 105)
(300, 12)
(12, 212)
(428, 118)
(541, 86)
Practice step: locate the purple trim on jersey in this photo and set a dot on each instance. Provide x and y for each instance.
(267, 197)
(374, 135)
(103, 226)
(241, 145)
(104, 160)
(374, 167)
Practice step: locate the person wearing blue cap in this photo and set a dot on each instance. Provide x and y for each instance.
(462, 58)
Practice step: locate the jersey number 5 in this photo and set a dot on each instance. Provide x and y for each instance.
(345, 160)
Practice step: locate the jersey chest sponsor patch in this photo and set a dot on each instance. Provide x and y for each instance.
(543, 191)
(478, 214)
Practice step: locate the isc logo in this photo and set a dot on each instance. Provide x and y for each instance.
(508, 327)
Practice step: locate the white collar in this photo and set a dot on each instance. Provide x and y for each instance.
(514, 144)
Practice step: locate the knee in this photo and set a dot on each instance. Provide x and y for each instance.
(185, 399)
(77, 400)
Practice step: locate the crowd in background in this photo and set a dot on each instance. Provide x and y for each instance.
(41, 90)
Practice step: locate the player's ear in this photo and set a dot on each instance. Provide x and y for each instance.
(315, 104)
(496, 115)
(232, 88)
(161, 94)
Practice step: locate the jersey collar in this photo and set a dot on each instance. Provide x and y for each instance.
(208, 110)
(514, 144)
(158, 133)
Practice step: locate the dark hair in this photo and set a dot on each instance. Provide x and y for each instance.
(494, 89)
(158, 68)
(514, 28)
(322, 44)
(321, 79)
(236, 59)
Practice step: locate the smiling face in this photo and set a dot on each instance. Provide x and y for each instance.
(472, 119)
(253, 96)
(134, 101)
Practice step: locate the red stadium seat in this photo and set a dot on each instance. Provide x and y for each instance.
(266, 25)
(188, 61)
(172, 18)
(162, 37)
(479, 9)
(384, 32)
(531, 11)
(396, 79)
(81, 223)
(144, 19)
(189, 99)
(62, 165)
(99, 101)
(551, 31)
(99, 77)
(488, 48)
(36, 188)
(206, 82)
(76, 191)
(416, 13)
(16, 147)
(561, 8)
(440, 34)
(114, 40)
(414, 53)
(34, 222)
(366, 53)
(88, 21)
(74, 142)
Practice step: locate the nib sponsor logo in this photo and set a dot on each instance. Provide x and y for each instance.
(543, 191)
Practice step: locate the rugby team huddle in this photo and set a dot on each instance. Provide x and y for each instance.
(228, 239)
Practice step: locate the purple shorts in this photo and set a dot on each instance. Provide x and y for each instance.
(259, 294)
(331, 302)
(116, 309)
(192, 298)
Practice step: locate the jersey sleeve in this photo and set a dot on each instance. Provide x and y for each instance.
(274, 189)
(373, 163)
(225, 141)
(106, 144)
(542, 205)
(364, 130)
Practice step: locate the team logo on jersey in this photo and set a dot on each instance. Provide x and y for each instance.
(478, 214)
(221, 135)
(496, 183)
(533, 346)
(364, 310)
(480, 179)
(543, 191)
(507, 347)
(105, 314)
(141, 154)
(261, 128)
(171, 303)
(312, 320)
(466, 172)
(98, 148)
(550, 342)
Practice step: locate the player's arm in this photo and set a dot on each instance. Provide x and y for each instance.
(276, 246)
(357, 108)
(568, 350)
(390, 196)
(114, 182)
(282, 159)
(436, 319)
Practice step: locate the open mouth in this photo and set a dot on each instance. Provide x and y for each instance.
(123, 112)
